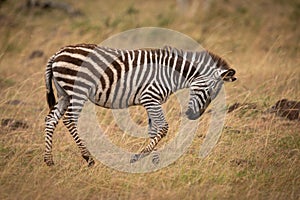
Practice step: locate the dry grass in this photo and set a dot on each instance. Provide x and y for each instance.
(257, 156)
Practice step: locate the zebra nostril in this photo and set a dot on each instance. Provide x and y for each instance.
(189, 112)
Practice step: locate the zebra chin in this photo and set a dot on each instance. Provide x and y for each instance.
(191, 115)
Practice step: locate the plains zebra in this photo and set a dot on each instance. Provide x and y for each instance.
(115, 78)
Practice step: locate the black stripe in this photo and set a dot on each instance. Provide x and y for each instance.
(76, 51)
(88, 46)
(125, 61)
(110, 75)
(135, 54)
(64, 70)
(179, 64)
(75, 73)
(68, 59)
(170, 63)
(75, 90)
(202, 99)
(73, 82)
(186, 72)
(118, 67)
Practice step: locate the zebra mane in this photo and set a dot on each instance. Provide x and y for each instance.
(189, 54)
(220, 62)
(171, 49)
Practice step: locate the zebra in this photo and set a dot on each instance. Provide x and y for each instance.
(119, 78)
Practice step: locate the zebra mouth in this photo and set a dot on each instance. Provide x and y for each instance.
(191, 115)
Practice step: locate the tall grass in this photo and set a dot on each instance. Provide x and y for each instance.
(257, 156)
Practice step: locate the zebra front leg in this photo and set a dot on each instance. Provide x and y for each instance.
(51, 121)
(158, 128)
(155, 156)
(70, 121)
(150, 147)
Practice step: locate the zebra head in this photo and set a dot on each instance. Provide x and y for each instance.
(204, 88)
(223, 73)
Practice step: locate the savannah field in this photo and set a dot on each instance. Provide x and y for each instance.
(258, 153)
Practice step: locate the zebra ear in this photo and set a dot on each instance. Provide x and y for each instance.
(228, 75)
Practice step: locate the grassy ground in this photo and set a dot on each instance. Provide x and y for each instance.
(257, 156)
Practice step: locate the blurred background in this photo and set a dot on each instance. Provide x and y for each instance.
(258, 154)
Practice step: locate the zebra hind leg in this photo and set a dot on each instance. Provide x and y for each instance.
(51, 121)
(155, 157)
(158, 128)
(71, 121)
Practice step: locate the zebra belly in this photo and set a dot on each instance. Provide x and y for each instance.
(115, 98)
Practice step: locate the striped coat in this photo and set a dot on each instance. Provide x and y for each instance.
(115, 78)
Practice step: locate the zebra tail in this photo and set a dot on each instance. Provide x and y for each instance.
(48, 77)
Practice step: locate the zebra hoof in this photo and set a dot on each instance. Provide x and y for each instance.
(91, 162)
(135, 158)
(155, 159)
(49, 162)
(48, 159)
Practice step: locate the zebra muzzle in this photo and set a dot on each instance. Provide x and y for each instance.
(192, 115)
